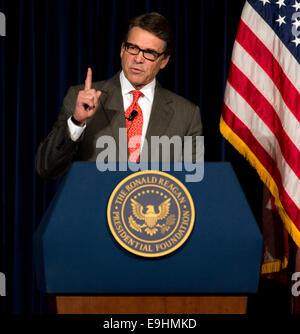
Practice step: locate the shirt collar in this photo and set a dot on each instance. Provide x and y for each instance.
(147, 90)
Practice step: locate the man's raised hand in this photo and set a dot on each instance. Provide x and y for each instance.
(87, 100)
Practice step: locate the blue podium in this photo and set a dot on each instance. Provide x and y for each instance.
(76, 254)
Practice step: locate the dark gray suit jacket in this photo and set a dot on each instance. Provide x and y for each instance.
(171, 115)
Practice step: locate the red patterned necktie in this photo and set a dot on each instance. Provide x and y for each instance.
(134, 127)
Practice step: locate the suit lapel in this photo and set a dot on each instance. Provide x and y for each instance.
(111, 103)
(161, 116)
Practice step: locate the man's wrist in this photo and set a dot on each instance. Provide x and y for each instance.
(76, 122)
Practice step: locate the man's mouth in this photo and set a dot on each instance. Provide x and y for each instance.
(136, 70)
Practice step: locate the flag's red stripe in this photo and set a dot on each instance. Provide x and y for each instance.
(266, 160)
(266, 112)
(258, 51)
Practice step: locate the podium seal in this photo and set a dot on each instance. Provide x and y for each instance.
(150, 213)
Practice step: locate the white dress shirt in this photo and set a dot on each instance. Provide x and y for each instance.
(145, 102)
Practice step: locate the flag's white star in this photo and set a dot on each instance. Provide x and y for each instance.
(280, 3)
(296, 41)
(264, 1)
(281, 20)
(296, 5)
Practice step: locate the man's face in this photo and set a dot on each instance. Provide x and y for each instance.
(138, 70)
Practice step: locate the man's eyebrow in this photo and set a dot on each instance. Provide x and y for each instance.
(152, 50)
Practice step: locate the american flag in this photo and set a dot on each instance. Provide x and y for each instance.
(261, 112)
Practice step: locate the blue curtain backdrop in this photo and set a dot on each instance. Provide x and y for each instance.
(48, 47)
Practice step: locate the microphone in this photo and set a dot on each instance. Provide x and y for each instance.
(132, 116)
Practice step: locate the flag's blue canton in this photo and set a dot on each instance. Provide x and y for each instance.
(283, 16)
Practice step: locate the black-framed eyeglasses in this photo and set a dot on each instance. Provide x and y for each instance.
(148, 54)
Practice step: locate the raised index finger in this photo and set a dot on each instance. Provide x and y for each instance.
(88, 80)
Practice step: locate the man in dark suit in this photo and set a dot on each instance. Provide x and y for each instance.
(94, 110)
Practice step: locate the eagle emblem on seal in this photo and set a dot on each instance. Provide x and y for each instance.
(150, 217)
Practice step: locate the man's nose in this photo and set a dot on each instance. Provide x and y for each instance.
(139, 58)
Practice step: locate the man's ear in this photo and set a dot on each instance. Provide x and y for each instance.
(164, 62)
(122, 50)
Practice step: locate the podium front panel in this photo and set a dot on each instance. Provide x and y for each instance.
(77, 254)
